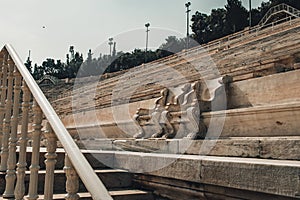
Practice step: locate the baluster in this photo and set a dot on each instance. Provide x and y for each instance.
(21, 166)
(3, 95)
(6, 121)
(50, 162)
(11, 164)
(72, 183)
(1, 82)
(36, 137)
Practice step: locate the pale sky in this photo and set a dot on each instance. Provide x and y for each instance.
(88, 24)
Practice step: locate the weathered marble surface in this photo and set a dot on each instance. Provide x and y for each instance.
(277, 177)
(273, 114)
(260, 121)
(276, 88)
(280, 148)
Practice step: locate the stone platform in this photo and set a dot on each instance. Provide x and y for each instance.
(278, 178)
(280, 148)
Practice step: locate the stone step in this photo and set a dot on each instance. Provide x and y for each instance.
(275, 177)
(60, 158)
(182, 189)
(127, 194)
(281, 148)
(111, 178)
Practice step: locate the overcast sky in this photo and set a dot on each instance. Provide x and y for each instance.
(49, 27)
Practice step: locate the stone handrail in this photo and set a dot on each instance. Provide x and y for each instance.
(14, 78)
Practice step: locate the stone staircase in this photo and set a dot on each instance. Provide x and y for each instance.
(120, 183)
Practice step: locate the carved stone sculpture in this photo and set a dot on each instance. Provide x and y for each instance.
(182, 111)
(155, 115)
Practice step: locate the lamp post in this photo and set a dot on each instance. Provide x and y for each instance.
(187, 5)
(250, 14)
(147, 37)
(110, 44)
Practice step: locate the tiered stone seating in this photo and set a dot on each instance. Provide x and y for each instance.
(253, 151)
(242, 62)
(246, 149)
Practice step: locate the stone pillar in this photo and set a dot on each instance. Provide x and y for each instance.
(3, 78)
(7, 118)
(72, 183)
(21, 166)
(50, 162)
(36, 138)
(11, 164)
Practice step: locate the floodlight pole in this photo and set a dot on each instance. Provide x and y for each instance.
(187, 5)
(110, 44)
(250, 14)
(147, 37)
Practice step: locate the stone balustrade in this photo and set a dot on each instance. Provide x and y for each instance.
(22, 102)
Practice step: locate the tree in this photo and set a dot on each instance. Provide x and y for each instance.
(49, 66)
(236, 16)
(38, 72)
(220, 22)
(293, 3)
(171, 46)
(73, 64)
(71, 50)
(28, 64)
(217, 24)
(200, 27)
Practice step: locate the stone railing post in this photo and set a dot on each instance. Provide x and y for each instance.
(21, 166)
(50, 162)
(72, 183)
(36, 138)
(11, 164)
(3, 94)
(7, 118)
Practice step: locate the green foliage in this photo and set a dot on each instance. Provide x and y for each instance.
(59, 69)
(235, 17)
(75, 66)
(293, 3)
(171, 46)
(28, 64)
(221, 22)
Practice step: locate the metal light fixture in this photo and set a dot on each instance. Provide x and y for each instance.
(147, 37)
(147, 32)
(110, 44)
(187, 5)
